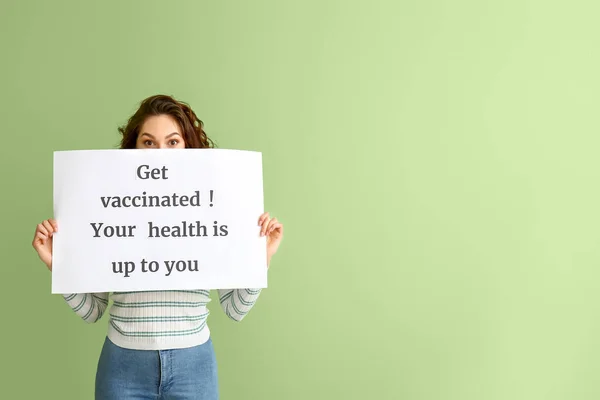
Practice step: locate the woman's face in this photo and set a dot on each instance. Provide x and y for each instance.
(160, 132)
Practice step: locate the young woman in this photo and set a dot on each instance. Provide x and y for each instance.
(158, 344)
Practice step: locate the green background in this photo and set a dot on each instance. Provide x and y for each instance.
(435, 164)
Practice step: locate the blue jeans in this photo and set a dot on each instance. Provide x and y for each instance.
(186, 374)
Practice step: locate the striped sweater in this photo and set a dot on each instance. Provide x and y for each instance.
(157, 320)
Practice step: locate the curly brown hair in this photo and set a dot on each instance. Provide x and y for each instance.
(191, 126)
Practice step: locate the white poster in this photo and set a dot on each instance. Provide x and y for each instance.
(131, 220)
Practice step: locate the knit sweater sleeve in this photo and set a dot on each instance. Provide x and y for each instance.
(237, 303)
(89, 306)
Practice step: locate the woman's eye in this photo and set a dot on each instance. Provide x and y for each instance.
(148, 143)
(174, 142)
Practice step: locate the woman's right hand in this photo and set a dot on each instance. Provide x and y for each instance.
(42, 241)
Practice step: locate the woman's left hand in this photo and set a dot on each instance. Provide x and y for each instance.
(273, 230)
